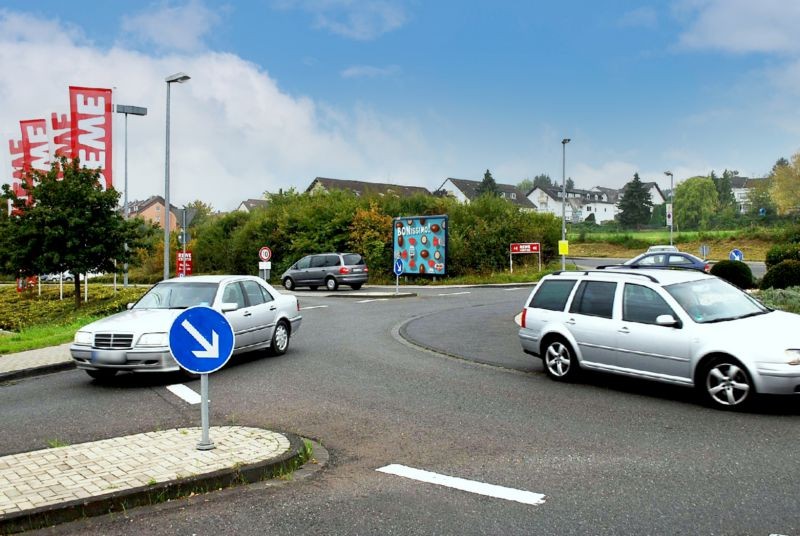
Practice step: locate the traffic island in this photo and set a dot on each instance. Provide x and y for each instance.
(56, 485)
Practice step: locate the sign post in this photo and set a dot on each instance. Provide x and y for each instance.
(201, 341)
(398, 269)
(524, 247)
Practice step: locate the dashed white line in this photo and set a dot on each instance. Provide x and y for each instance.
(372, 300)
(184, 393)
(472, 486)
(514, 288)
(304, 308)
(455, 293)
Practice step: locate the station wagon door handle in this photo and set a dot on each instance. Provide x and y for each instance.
(571, 321)
(272, 308)
(624, 330)
(247, 313)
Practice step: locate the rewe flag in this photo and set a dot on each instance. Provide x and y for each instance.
(90, 122)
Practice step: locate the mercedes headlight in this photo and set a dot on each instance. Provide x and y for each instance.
(153, 339)
(793, 356)
(85, 338)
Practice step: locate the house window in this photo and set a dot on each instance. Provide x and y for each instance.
(513, 195)
(158, 208)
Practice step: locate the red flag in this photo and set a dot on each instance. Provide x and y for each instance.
(17, 163)
(60, 134)
(35, 145)
(90, 123)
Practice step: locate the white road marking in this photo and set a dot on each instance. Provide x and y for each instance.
(183, 392)
(312, 307)
(455, 293)
(375, 299)
(472, 486)
(515, 288)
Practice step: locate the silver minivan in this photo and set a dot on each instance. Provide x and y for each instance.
(327, 269)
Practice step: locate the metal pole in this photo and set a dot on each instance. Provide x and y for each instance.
(166, 197)
(564, 143)
(184, 240)
(672, 205)
(205, 442)
(125, 267)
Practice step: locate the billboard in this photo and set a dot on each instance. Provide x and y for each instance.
(421, 243)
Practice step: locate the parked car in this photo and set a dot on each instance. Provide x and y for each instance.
(674, 326)
(665, 260)
(662, 249)
(137, 339)
(328, 269)
(55, 278)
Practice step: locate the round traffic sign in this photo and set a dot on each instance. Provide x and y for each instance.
(265, 254)
(736, 255)
(398, 267)
(201, 340)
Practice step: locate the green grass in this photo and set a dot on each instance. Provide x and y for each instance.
(56, 443)
(41, 336)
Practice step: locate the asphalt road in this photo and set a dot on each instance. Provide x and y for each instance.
(611, 456)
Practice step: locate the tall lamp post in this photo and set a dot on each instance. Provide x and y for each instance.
(127, 110)
(179, 78)
(671, 205)
(564, 143)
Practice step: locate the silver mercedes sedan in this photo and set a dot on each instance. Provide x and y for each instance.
(137, 339)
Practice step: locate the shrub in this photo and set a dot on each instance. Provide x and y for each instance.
(782, 252)
(782, 275)
(735, 272)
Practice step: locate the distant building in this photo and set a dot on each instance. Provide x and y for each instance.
(363, 188)
(248, 205)
(466, 190)
(740, 187)
(579, 203)
(152, 210)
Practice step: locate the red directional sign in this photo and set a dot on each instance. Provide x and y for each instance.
(526, 247)
(184, 263)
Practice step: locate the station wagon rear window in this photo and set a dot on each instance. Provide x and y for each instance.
(353, 258)
(552, 294)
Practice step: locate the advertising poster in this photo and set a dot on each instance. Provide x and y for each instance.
(90, 136)
(421, 243)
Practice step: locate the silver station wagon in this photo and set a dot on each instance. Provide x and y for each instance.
(136, 339)
(676, 326)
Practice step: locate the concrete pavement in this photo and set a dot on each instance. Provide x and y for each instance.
(64, 483)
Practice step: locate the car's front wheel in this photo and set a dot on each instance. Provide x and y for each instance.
(560, 362)
(101, 374)
(288, 283)
(726, 384)
(280, 338)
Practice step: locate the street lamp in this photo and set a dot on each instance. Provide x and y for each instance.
(179, 78)
(127, 110)
(671, 205)
(564, 143)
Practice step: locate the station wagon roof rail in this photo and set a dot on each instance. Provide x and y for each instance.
(605, 272)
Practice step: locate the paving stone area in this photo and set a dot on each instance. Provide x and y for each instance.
(32, 359)
(51, 476)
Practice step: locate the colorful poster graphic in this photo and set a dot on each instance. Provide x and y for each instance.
(421, 243)
(90, 136)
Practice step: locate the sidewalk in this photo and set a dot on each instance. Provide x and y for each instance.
(55, 485)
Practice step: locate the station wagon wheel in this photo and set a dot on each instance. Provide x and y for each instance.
(288, 283)
(331, 284)
(726, 384)
(560, 362)
(280, 338)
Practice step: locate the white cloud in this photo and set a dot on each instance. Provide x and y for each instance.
(363, 20)
(742, 26)
(172, 27)
(235, 133)
(642, 17)
(369, 71)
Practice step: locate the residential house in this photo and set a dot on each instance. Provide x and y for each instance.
(740, 187)
(467, 190)
(248, 205)
(152, 210)
(579, 203)
(363, 188)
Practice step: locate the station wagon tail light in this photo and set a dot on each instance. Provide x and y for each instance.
(344, 270)
(794, 357)
(298, 305)
(522, 320)
(707, 268)
(366, 269)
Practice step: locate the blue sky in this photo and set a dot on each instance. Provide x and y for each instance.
(413, 92)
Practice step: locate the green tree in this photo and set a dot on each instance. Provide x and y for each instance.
(73, 225)
(695, 202)
(570, 184)
(541, 180)
(725, 195)
(758, 197)
(785, 187)
(488, 185)
(635, 205)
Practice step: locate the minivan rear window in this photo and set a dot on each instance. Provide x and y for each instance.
(353, 258)
(552, 294)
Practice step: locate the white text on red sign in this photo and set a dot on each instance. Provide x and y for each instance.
(529, 247)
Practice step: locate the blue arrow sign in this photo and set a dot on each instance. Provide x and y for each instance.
(398, 267)
(736, 255)
(201, 340)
